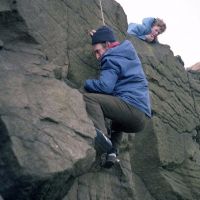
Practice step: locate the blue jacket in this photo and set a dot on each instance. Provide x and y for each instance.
(122, 75)
(140, 30)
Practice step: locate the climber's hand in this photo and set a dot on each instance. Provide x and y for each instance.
(91, 33)
(149, 38)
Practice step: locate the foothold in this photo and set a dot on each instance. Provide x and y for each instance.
(1, 44)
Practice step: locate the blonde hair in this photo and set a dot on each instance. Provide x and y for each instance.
(159, 22)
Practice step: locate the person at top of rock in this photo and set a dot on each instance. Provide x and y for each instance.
(120, 93)
(148, 30)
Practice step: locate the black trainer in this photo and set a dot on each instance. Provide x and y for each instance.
(109, 160)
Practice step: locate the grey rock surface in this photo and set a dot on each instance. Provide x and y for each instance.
(174, 126)
(61, 28)
(46, 137)
(4, 5)
(45, 131)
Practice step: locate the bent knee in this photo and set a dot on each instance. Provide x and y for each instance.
(87, 96)
(90, 96)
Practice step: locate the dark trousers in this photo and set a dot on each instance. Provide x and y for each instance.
(124, 117)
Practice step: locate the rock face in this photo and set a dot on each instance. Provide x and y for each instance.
(174, 161)
(46, 137)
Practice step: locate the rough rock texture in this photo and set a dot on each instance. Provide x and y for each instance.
(46, 138)
(61, 28)
(170, 156)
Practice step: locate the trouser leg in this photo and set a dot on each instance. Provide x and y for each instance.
(95, 112)
(124, 116)
(116, 138)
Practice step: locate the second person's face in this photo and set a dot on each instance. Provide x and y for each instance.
(155, 30)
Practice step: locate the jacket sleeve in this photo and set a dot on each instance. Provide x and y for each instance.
(107, 79)
(137, 30)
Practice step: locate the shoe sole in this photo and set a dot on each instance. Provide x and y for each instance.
(102, 143)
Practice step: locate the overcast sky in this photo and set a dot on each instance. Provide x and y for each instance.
(183, 23)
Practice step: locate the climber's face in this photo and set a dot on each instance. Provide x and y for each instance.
(99, 50)
(155, 31)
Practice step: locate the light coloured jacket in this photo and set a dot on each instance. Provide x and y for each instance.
(140, 30)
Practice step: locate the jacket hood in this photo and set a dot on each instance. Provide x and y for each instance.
(147, 22)
(125, 49)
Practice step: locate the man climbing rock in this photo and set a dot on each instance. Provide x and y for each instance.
(120, 93)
